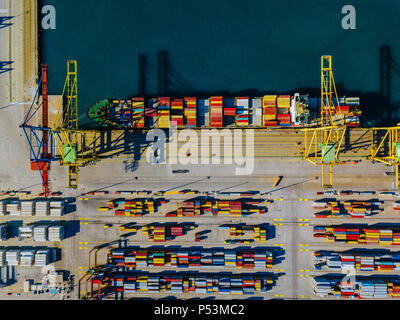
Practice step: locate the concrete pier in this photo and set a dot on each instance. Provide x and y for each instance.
(19, 51)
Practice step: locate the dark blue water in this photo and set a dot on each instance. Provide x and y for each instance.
(224, 46)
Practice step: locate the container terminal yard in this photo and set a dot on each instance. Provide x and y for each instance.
(84, 213)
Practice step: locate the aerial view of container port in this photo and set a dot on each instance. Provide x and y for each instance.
(199, 150)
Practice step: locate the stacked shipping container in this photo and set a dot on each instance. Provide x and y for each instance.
(269, 111)
(359, 287)
(232, 208)
(283, 110)
(190, 258)
(355, 235)
(189, 283)
(356, 261)
(163, 112)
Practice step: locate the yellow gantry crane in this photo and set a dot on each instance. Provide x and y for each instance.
(385, 147)
(323, 144)
(76, 147)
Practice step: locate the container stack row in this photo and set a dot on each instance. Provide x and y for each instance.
(387, 236)
(190, 112)
(366, 262)
(188, 209)
(42, 233)
(164, 112)
(269, 111)
(138, 119)
(195, 283)
(163, 233)
(190, 258)
(346, 209)
(216, 207)
(283, 110)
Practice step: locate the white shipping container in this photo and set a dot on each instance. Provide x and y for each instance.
(42, 208)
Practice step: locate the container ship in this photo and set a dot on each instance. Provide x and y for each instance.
(356, 235)
(218, 112)
(190, 258)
